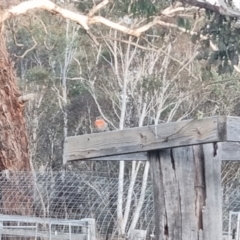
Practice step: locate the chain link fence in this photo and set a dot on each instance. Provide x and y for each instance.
(231, 196)
(73, 195)
(78, 195)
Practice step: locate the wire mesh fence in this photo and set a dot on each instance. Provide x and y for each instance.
(77, 195)
(72, 195)
(231, 196)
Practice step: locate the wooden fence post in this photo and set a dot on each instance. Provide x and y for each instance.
(187, 192)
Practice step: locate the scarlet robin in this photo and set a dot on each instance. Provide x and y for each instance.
(100, 124)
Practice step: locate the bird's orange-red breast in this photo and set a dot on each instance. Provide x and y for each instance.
(100, 124)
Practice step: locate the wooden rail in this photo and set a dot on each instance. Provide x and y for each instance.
(185, 162)
(100, 146)
(230, 151)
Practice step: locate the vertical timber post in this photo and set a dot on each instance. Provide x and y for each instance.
(187, 192)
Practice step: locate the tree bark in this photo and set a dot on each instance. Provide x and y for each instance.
(13, 133)
(17, 197)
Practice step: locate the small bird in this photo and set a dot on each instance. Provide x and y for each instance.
(100, 124)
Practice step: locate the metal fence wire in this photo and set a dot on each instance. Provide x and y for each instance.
(231, 194)
(72, 195)
(77, 195)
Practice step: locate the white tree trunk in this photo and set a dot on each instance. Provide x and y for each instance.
(133, 177)
(130, 193)
(69, 53)
(121, 164)
(64, 85)
(141, 198)
(121, 126)
(120, 197)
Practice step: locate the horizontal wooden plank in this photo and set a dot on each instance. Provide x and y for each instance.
(167, 135)
(230, 151)
(140, 156)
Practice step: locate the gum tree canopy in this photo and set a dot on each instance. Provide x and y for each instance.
(219, 34)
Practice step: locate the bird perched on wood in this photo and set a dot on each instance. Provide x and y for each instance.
(100, 124)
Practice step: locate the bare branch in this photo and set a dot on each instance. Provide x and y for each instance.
(31, 48)
(81, 19)
(42, 23)
(98, 7)
(86, 20)
(93, 38)
(23, 7)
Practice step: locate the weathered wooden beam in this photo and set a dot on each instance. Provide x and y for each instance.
(212, 211)
(230, 151)
(187, 193)
(167, 135)
(140, 156)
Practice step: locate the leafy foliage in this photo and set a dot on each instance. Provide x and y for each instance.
(143, 8)
(38, 74)
(225, 36)
(183, 22)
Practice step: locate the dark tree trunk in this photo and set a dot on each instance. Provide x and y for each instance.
(13, 134)
(17, 197)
